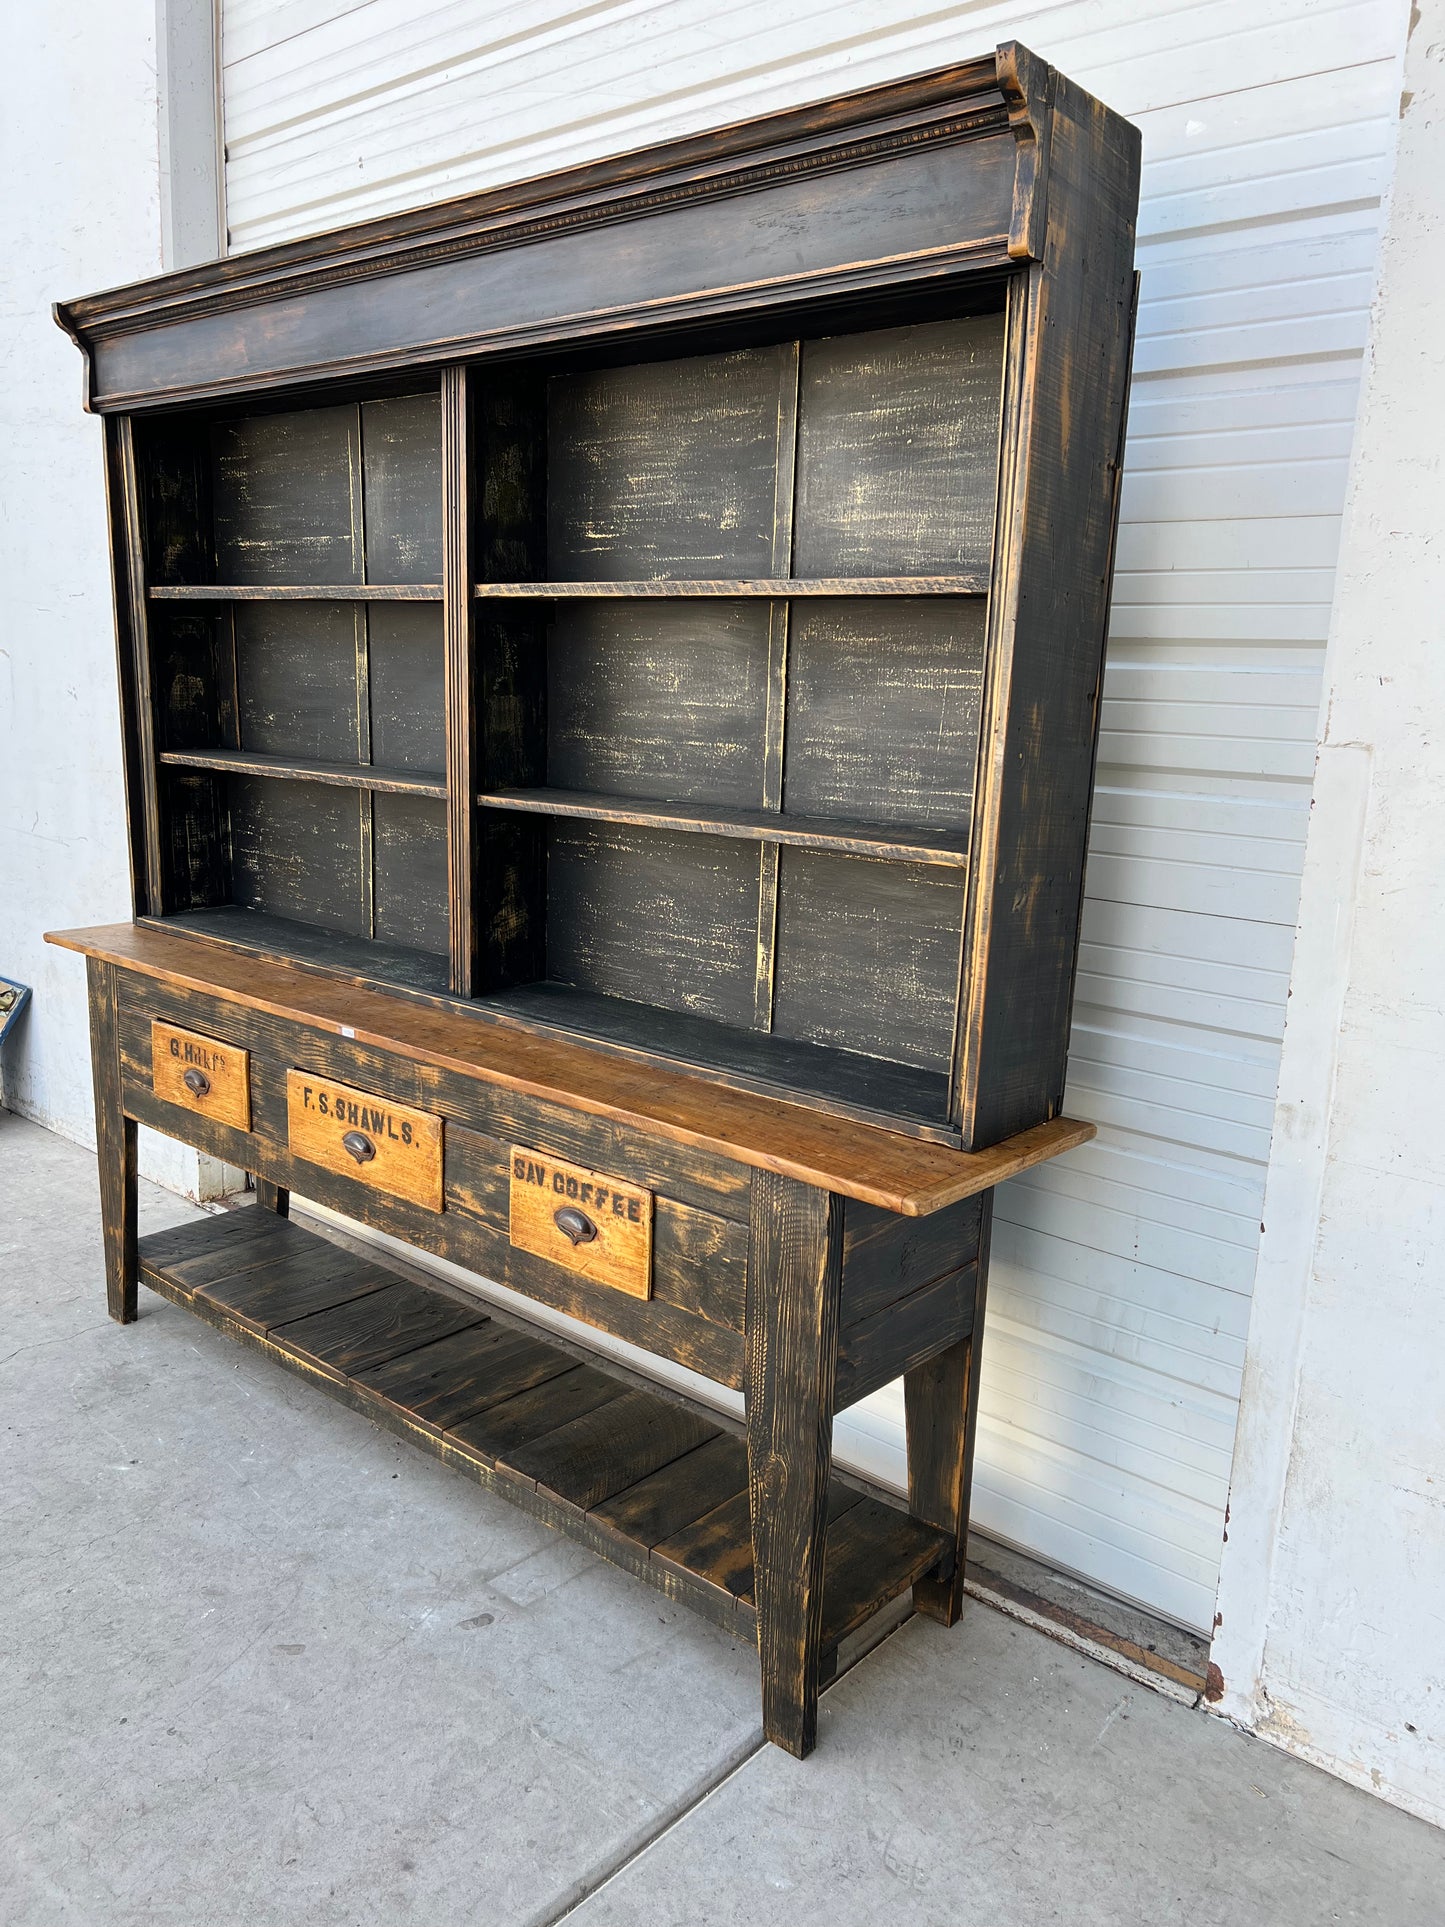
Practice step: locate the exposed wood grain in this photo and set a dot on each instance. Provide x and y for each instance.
(601, 1453)
(795, 1257)
(857, 1160)
(115, 1137)
(587, 1221)
(877, 1350)
(898, 449)
(409, 870)
(131, 548)
(272, 1197)
(680, 1493)
(773, 587)
(367, 776)
(454, 1378)
(458, 549)
(509, 1425)
(378, 1326)
(941, 1400)
(201, 1074)
(666, 468)
(392, 1146)
(292, 592)
(296, 1283)
(868, 956)
(658, 701)
(801, 831)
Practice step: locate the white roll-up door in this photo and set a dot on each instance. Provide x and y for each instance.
(1122, 1274)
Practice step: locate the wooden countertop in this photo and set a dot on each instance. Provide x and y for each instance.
(901, 1174)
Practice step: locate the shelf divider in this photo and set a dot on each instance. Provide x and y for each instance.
(892, 842)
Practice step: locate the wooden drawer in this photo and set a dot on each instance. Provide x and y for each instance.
(360, 1135)
(202, 1074)
(586, 1221)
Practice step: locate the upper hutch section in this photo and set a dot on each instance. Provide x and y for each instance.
(663, 602)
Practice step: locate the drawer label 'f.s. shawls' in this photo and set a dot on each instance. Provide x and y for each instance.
(387, 1145)
(588, 1222)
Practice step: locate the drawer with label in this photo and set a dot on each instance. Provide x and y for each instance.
(584, 1220)
(200, 1073)
(391, 1146)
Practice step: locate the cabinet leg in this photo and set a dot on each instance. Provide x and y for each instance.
(794, 1267)
(115, 1141)
(273, 1197)
(941, 1406)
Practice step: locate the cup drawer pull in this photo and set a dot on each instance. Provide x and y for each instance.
(358, 1145)
(575, 1225)
(197, 1083)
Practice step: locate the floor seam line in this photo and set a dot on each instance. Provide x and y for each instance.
(631, 1854)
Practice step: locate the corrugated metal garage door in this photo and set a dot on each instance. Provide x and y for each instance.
(1123, 1274)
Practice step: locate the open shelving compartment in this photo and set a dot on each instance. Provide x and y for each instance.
(637, 699)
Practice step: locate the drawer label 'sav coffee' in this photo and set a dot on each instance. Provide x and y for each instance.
(389, 1146)
(584, 1220)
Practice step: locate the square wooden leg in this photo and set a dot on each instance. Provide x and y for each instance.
(794, 1267)
(115, 1144)
(941, 1406)
(273, 1197)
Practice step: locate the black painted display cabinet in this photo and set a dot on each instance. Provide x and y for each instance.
(610, 680)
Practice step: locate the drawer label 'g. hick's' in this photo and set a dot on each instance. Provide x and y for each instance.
(387, 1145)
(584, 1220)
(205, 1074)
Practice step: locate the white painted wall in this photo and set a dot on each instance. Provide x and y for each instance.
(1332, 1596)
(80, 210)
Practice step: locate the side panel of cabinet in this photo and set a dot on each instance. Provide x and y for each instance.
(1070, 326)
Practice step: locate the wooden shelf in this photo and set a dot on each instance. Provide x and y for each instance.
(774, 588)
(293, 592)
(654, 1484)
(348, 776)
(759, 826)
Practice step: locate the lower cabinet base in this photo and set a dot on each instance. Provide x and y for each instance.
(657, 1486)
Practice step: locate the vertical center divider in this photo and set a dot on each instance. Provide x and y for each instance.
(361, 618)
(784, 489)
(458, 543)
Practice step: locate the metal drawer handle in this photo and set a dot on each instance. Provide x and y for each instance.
(575, 1224)
(359, 1145)
(197, 1083)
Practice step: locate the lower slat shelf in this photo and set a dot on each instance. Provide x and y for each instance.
(654, 1485)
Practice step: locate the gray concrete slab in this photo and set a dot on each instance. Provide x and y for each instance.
(986, 1776)
(261, 1663)
(264, 1663)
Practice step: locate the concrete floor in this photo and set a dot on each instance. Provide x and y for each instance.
(260, 1663)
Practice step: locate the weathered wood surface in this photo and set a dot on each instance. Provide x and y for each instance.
(285, 769)
(941, 1398)
(765, 826)
(795, 1259)
(395, 1147)
(878, 1167)
(890, 482)
(115, 1139)
(588, 1221)
(774, 588)
(297, 592)
(203, 1074)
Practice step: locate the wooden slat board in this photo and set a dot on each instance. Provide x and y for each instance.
(658, 1486)
(878, 1167)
